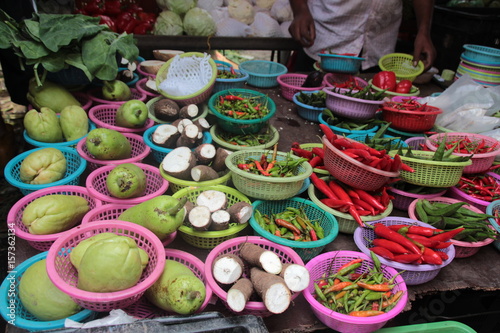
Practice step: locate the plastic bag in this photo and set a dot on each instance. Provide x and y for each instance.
(282, 11)
(230, 27)
(116, 317)
(265, 26)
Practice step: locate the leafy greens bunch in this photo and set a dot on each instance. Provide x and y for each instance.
(59, 41)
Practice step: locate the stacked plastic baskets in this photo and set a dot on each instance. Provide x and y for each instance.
(481, 63)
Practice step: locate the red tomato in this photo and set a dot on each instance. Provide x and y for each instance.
(404, 87)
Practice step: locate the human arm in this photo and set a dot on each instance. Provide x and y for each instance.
(423, 48)
(302, 27)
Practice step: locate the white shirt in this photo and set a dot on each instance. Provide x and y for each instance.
(355, 26)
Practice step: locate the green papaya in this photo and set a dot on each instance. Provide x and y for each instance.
(162, 215)
(51, 95)
(43, 125)
(41, 297)
(74, 122)
(43, 166)
(55, 213)
(177, 290)
(108, 144)
(116, 90)
(126, 180)
(109, 265)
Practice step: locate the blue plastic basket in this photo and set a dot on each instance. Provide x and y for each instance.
(75, 166)
(343, 131)
(263, 73)
(9, 291)
(224, 84)
(337, 63)
(306, 250)
(493, 209)
(395, 144)
(403, 135)
(482, 54)
(71, 143)
(307, 112)
(159, 153)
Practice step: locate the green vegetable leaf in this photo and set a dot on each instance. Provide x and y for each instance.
(126, 47)
(99, 54)
(32, 28)
(31, 49)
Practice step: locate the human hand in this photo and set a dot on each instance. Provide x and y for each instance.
(424, 50)
(302, 29)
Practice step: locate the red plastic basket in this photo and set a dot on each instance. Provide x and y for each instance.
(64, 275)
(139, 152)
(96, 184)
(104, 115)
(462, 249)
(286, 254)
(352, 172)
(350, 107)
(480, 162)
(331, 80)
(410, 121)
(112, 211)
(456, 193)
(141, 86)
(145, 309)
(43, 242)
(96, 96)
(331, 262)
(291, 83)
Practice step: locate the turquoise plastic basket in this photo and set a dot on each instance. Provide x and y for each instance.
(343, 131)
(306, 250)
(71, 143)
(395, 144)
(263, 73)
(224, 84)
(494, 209)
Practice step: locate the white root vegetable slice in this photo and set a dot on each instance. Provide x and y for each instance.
(240, 212)
(257, 256)
(179, 162)
(189, 111)
(200, 218)
(202, 123)
(272, 289)
(205, 153)
(220, 220)
(202, 173)
(239, 294)
(295, 276)
(212, 199)
(165, 135)
(227, 268)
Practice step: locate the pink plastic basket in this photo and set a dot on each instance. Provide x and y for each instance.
(403, 199)
(143, 73)
(141, 86)
(350, 107)
(64, 275)
(286, 254)
(331, 80)
(331, 262)
(104, 115)
(43, 242)
(96, 96)
(111, 211)
(291, 83)
(480, 162)
(96, 184)
(412, 274)
(462, 249)
(456, 193)
(352, 172)
(144, 309)
(139, 152)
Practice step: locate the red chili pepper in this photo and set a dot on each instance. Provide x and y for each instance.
(313, 235)
(233, 98)
(288, 225)
(383, 231)
(318, 152)
(339, 191)
(328, 132)
(337, 287)
(261, 169)
(383, 252)
(315, 161)
(323, 187)
(447, 235)
(431, 257)
(366, 313)
(368, 198)
(364, 205)
(104, 19)
(443, 255)
(424, 231)
(355, 214)
(94, 7)
(302, 153)
(112, 7)
(406, 258)
(375, 287)
(390, 245)
(423, 240)
(350, 263)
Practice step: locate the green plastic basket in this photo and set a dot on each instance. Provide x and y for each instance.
(306, 250)
(210, 239)
(448, 326)
(431, 173)
(265, 187)
(347, 224)
(215, 132)
(401, 65)
(176, 184)
(414, 91)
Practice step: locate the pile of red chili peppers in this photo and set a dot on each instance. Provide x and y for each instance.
(466, 145)
(409, 105)
(239, 107)
(315, 156)
(272, 168)
(350, 83)
(481, 186)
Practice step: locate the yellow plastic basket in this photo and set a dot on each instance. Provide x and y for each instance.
(402, 65)
(176, 184)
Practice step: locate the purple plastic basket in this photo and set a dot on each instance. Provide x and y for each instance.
(349, 107)
(416, 142)
(403, 199)
(412, 274)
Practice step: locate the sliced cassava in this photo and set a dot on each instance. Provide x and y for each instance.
(189, 111)
(257, 256)
(295, 276)
(272, 289)
(212, 199)
(220, 220)
(205, 153)
(189, 136)
(239, 294)
(200, 218)
(201, 173)
(227, 268)
(240, 212)
(166, 135)
(179, 162)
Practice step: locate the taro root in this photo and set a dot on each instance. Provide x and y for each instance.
(189, 111)
(166, 135)
(201, 173)
(166, 109)
(205, 153)
(179, 162)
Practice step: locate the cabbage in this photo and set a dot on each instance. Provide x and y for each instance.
(168, 23)
(177, 6)
(199, 22)
(241, 10)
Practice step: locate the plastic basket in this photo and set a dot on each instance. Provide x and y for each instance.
(350, 107)
(143, 73)
(176, 184)
(139, 152)
(217, 137)
(266, 187)
(159, 152)
(84, 99)
(307, 112)
(479, 64)
(431, 173)
(306, 250)
(410, 121)
(131, 83)
(395, 143)
(331, 80)
(416, 142)
(493, 209)
(96, 96)
(310, 146)
(232, 246)
(210, 239)
(112, 211)
(480, 162)
(141, 86)
(343, 131)
(75, 166)
(337, 63)
(151, 113)
(447, 326)
(414, 91)
(352, 172)
(456, 193)
(402, 65)
(262, 73)
(330, 262)
(236, 83)
(346, 222)
(195, 98)
(482, 54)
(144, 309)
(404, 135)
(155, 184)
(104, 116)
(411, 274)
(291, 83)
(71, 143)
(9, 291)
(462, 249)
(403, 199)
(242, 126)
(64, 275)
(43, 242)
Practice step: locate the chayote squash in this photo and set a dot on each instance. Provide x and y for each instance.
(43, 166)
(75, 256)
(43, 125)
(51, 214)
(51, 95)
(74, 122)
